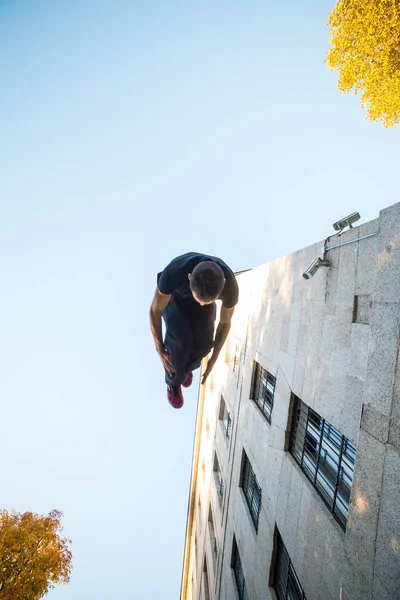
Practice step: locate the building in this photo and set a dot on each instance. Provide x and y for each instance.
(295, 487)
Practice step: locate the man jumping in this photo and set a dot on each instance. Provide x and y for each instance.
(185, 298)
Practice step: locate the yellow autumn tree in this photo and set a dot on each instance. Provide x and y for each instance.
(365, 50)
(34, 557)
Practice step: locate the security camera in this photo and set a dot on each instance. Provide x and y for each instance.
(314, 266)
(346, 222)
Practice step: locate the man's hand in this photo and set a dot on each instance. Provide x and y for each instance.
(160, 301)
(166, 361)
(209, 368)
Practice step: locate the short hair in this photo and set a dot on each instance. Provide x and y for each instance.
(207, 281)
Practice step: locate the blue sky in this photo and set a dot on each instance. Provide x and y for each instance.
(131, 132)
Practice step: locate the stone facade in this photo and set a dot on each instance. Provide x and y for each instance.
(332, 342)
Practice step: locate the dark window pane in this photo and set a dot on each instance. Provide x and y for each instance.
(251, 490)
(239, 577)
(286, 583)
(263, 390)
(326, 457)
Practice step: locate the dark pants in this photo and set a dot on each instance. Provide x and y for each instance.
(189, 336)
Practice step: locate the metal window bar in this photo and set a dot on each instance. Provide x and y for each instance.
(221, 487)
(239, 577)
(286, 583)
(228, 425)
(325, 456)
(205, 581)
(215, 546)
(252, 491)
(264, 391)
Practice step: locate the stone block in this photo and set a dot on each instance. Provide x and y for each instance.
(310, 378)
(387, 559)
(312, 568)
(327, 337)
(292, 510)
(322, 379)
(298, 376)
(394, 432)
(303, 342)
(351, 411)
(387, 284)
(306, 505)
(300, 547)
(331, 284)
(343, 324)
(328, 590)
(299, 556)
(286, 364)
(294, 328)
(364, 506)
(375, 423)
(396, 390)
(335, 567)
(283, 492)
(284, 375)
(382, 357)
(285, 331)
(316, 326)
(271, 474)
(360, 337)
(339, 363)
(330, 404)
(276, 437)
(347, 274)
(306, 302)
(379, 591)
(356, 587)
(366, 263)
(280, 412)
(268, 364)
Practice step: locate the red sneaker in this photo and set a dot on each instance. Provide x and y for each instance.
(175, 397)
(188, 380)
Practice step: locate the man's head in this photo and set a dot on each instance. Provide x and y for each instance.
(206, 282)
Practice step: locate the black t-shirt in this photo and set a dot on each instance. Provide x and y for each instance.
(174, 278)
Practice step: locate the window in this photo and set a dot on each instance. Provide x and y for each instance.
(225, 418)
(238, 572)
(219, 482)
(286, 583)
(263, 390)
(204, 580)
(251, 489)
(325, 456)
(228, 428)
(213, 539)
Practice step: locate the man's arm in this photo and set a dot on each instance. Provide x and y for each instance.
(158, 304)
(223, 328)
